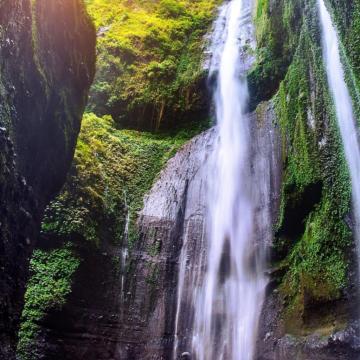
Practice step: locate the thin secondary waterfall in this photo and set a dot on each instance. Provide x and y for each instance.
(228, 306)
(344, 109)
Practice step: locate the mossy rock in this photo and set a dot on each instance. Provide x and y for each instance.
(150, 55)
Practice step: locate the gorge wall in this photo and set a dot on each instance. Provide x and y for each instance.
(46, 67)
(116, 251)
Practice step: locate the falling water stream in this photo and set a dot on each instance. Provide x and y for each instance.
(228, 284)
(344, 109)
(227, 304)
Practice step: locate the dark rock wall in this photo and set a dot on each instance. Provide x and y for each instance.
(47, 54)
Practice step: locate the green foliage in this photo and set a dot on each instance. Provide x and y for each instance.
(51, 274)
(112, 171)
(352, 40)
(277, 34)
(313, 259)
(171, 8)
(149, 59)
(347, 18)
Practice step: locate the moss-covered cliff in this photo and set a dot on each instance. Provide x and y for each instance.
(278, 24)
(312, 252)
(150, 77)
(97, 212)
(46, 67)
(150, 72)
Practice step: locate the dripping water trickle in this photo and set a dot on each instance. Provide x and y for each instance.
(124, 249)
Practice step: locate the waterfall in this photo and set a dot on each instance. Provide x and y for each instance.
(229, 302)
(344, 110)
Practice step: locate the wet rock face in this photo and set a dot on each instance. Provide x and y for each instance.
(273, 343)
(132, 314)
(173, 217)
(46, 67)
(317, 343)
(128, 312)
(19, 220)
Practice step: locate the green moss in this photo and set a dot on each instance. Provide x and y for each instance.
(112, 171)
(316, 189)
(277, 34)
(149, 59)
(47, 289)
(347, 19)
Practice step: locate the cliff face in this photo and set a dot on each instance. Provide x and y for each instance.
(310, 311)
(92, 220)
(46, 67)
(126, 308)
(121, 298)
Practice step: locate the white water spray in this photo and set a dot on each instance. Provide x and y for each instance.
(228, 307)
(344, 110)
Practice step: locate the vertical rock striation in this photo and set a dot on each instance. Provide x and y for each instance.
(47, 55)
(174, 217)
